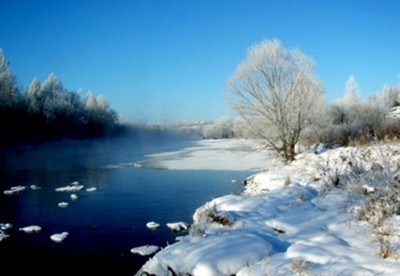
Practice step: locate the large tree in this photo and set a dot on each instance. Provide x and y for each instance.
(274, 90)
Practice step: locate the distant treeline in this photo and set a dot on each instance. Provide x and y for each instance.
(47, 111)
(347, 120)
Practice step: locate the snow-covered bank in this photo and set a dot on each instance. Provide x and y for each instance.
(301, 218)
(230, 154)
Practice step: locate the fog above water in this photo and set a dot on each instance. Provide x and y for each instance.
(105, 224)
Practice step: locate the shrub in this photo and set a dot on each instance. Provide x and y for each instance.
(370, 176)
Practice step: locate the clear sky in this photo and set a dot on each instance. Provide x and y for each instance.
(159, 61)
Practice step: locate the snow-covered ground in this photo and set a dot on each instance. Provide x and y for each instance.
(291, 219)
(229, 154)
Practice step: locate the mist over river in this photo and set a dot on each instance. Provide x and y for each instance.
(105, 224)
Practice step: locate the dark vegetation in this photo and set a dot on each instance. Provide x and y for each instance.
(49, 112)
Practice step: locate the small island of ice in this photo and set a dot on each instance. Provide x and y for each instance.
(145, 250)
(69, 188)
(59, 237)
(152, 225)
(14, 190)
(31, 229)
(63, 204)
(178, 226)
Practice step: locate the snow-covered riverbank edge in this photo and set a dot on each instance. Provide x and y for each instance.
(224, 154)
(285, 222)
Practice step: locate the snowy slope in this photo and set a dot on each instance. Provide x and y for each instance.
(300, 218)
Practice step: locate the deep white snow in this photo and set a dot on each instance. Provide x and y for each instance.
(287, 221)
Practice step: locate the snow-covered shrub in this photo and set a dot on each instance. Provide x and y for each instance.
(352, 120)
(389, 129)
(348, 124)
(220, 129)
(391, 95)
(209, 214)
(369, 175)
(300, 266)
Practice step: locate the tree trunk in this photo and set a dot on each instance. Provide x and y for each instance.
(287, 152)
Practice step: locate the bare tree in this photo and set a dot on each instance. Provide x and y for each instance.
(274, 91)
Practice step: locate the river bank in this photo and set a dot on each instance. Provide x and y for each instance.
(290, 218)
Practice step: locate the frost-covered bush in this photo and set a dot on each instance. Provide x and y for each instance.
(351, 119)
(220, 129)
(391, 96)
(369, 175)
(225, 128)
(209, 214)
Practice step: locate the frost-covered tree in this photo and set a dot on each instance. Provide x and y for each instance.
(49, 111)
(102, 102)
(352, 92)
(100, 117)
(90, 100)
(220, 129)
(33, 96)
(391, 96)
(10, 97)
(351, 109)
(274, 90)
(51, 97)
(11, 104)
(347, 108)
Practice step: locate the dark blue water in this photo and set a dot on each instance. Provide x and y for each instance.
(103, 225)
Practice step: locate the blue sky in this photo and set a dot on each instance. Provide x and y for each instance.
(160, 61)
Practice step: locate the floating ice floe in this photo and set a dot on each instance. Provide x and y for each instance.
(14, 190)
(35, 187)
(63, 204)
(145, 250)
(5, 226)
(59, 237)
(124, 165)
(70, 188)
(31, 229)
(3, 235)
(178, 226)
(152, 225)
(91, 189)
(74, 196)
(75, 183)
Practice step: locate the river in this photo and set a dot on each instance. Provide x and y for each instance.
(105, 224)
